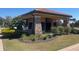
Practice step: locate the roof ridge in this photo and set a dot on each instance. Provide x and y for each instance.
(50, 11)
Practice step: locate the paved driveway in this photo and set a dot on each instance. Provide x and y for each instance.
(1, 45)
(71, 48)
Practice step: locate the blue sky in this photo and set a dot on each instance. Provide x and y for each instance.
(18, 11)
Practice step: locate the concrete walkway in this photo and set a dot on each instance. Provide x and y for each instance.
(71, 48)
(1, 45)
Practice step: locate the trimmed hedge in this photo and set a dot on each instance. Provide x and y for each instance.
(61, 30)
(75, 31)
(67, 30)
(7, 30)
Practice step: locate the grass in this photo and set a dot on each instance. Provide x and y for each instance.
(53, 45)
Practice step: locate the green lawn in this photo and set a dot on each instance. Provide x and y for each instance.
(55, 44)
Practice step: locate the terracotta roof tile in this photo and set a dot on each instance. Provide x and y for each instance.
(51, 11)
(45, 10)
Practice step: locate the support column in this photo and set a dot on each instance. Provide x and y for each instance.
(37, 25)
(66, 22)
(68, 25)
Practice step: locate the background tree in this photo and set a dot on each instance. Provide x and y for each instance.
(17, 22)
(72, 22)
(1, 21)
(8, 21)
(77, 23)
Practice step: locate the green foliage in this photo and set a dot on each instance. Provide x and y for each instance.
(58, 30)
(54, 29)
(8, 21)
(17, 23)
(25, 38)
(7, 30)
(75, 31)
(1, 21)
(42, 36)
(67, 30)
(61, 30)
(16, 20)
(33, 37)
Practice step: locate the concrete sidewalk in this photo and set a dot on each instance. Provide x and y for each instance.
(1, 45)
(71, 48)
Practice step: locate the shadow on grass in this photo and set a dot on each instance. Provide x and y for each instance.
(10, 37)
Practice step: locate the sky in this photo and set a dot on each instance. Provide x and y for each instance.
(13, 12)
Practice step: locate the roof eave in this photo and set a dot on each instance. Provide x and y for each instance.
(31, 12)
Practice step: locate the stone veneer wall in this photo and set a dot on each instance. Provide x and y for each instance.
(37, 25)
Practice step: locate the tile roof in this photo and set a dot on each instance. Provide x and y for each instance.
(51, 11)
(45, 10)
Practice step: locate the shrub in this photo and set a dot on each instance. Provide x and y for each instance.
(60, 29)
(54, 29)
(18, 32)
(50, 35)
(38, 36)
(44, 36)
(7, 30)
(26, 38)
(75, 31)
(32, 37)
(67, 30)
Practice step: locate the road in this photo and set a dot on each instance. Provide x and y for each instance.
(1, 45)
(71, 48)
